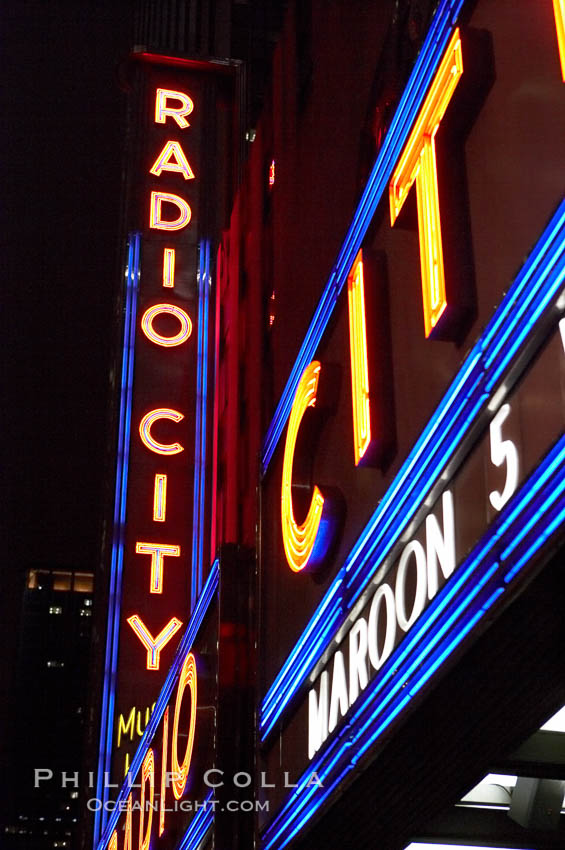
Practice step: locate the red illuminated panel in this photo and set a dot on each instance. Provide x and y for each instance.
(359, 360)
(145, 431)
(559, 9)
(418, 164)
(172, 151)
(156, 220)
(164, 110)
(147, 773)
(299, 539)
(169, 267)
(180, 772)
(166, 341)
(151, 644)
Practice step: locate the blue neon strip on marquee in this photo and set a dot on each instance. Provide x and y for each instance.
(204, 601)
(198, 509)
(115, 591)
(461, 409)
(199, 826)
(416, 89)
(481, 580)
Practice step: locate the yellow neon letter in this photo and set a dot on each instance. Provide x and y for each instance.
(559, 10)
(159, 339)
(151, 644)
(169, 267)
(300, 540)
(163, 771)
(145, 431)
(180, 164)
(162, 111)
(180, 772)
(147, 772)
(155, 218)
(113, 843)
(418, 163)
(160, 498)
(157, 552)
(359, 364)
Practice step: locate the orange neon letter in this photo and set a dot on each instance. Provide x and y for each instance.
(180, 772)
(127, 834)
(113, 842)
(166, 341)
(151, 644)
(302, 543)
(147, 773)
(157, 552)
(180, 164)
(163, 111)
(163, 772)
(160, 498)
(156, 220)
(145, 431)
(418, 163)
(559, 10)
(169, 267)
(359, 363)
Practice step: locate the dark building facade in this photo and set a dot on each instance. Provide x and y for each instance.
(375, 648)
(41, 795)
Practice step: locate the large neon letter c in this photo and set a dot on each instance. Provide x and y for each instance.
(304, 543)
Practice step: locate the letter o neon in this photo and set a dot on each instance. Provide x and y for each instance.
(159, 339)
(180, 772)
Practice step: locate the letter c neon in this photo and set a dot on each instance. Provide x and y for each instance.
(149, 440)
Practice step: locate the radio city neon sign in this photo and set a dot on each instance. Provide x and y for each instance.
(171, 213)
(306, 543)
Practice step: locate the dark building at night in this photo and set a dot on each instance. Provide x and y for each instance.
(41, 794)
(334, 566)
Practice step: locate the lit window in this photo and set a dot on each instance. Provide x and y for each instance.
(83, 582)
(55, 609)
(74, 795)
(55, 663)
(84, 612)
(88, 603)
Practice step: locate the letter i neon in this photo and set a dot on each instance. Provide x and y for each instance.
(169, 267)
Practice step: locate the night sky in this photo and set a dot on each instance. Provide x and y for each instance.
(62, 125)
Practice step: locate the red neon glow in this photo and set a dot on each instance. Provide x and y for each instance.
(559, 10)
(163, 772)
(299, 540)
(166, 341)
(154, 645)
(272, 174)
(145, 431)
(172, 150)
(147, 773)
(156, 220)
(160, 498)
(359, 360)
(178, 113)
(180, 772)
(158, 551)
(418, 164)
(169, 267)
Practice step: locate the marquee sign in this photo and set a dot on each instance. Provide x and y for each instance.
(158, 567)
(435, 539)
